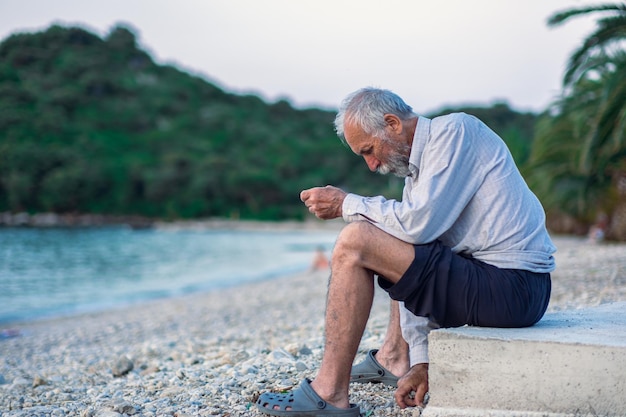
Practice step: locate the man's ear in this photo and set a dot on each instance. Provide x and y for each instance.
(393, 122)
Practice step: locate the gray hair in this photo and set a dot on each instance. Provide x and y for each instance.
(367, 107)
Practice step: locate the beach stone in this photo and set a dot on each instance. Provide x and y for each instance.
(38, 381)
(305, 351)
(21, 381)
(281, 355)
(150, 370)
(171, 392)
(169, 410)
(285, 384)
(240, 356)
(122, 366)
(124, 407)
(108, 413)
(252, 370)
(292, 348)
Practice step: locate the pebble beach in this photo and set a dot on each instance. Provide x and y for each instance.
(212, 354)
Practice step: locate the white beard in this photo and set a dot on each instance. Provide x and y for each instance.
(398, 162)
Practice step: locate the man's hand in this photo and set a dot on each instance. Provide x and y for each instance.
(324, 202)
(414, 381)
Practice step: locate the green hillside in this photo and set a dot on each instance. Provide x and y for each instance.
(94, 125)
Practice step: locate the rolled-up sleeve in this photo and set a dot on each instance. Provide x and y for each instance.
(352, 208)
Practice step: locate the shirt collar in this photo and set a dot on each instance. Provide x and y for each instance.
(422, 131)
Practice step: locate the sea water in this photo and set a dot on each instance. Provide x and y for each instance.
(52, 272)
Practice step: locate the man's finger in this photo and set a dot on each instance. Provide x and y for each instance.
(404, 398)
(419, 395)
(304, 195)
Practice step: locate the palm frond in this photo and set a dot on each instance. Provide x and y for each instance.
(561, 17)
(609, 32)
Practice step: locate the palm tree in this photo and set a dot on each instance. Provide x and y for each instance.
(611, 30)
(578, 161)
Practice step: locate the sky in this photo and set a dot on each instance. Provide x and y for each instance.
(314, 52)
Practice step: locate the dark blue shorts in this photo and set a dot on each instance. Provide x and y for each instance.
(453, 290)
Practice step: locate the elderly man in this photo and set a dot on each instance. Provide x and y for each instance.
(466, 245)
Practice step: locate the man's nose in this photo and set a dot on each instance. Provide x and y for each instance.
(372, 163)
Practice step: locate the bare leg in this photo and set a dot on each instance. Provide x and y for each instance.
(360, 249)
(394, 352)
(347, 311)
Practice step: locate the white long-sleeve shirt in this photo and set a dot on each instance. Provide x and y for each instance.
(466, 191)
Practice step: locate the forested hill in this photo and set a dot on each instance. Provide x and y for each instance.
(93, 125)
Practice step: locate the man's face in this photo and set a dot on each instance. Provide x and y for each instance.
(386, 155)
(397, 158)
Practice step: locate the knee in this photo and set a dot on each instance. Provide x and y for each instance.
(351, 241)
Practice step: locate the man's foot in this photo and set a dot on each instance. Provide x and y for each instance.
(303, 401)
(371, 370)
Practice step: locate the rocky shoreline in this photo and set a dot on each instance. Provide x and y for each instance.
(212, 354)
(44, 220)
(54, 220)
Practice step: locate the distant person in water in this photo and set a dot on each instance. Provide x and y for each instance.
(597, 231)
(467, 244)
(320, 261)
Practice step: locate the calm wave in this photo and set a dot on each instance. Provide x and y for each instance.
(48, 272)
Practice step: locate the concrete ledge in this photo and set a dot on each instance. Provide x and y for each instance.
(572, 363)
(474, 412)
